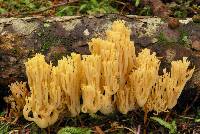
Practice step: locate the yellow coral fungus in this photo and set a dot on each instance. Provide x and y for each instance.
(144, 76)
(109, 71)
(178, 77)
(168, 87)
(69, 77)
(118, 58)
(126, 100)
(119, 34)
(41, 106)
(91, 87)
(17, 99)
(111, 78)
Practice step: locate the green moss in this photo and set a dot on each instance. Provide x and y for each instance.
(15, 50)
(145, 11)
(180, 13)
(45, 47)
(47, 38)
(183, 38)
(162, 38)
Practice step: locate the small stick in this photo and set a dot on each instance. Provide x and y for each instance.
(40, 11)
(188, 108)
(145, 119)
(52, 7)
(167, 115)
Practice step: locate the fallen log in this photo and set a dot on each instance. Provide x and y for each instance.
(21, 38)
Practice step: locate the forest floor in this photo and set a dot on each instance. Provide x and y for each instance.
(184, 118)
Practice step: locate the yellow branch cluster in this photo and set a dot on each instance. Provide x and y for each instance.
(42, 106)
(16, 99)
(111, 78)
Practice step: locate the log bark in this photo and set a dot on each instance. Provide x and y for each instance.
(21, 38)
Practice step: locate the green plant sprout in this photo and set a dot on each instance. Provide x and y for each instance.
(146, 11)
(66, 10)
(171, 126)
(95, 6)
(183, 38)
(4, 127)
(74, 130)
(136, 2)
(161, 38)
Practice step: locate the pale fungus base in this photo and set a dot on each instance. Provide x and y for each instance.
(111, 78)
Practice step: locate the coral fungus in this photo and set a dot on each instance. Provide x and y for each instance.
(17, 99)
(111, 78)
(42, 106)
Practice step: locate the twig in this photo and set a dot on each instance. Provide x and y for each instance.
(41, 11)
(119, 2)
(188, 108)
(52, 7)
(99, 130)
(123, 8)
(167, 115)
(185, 117)
(138, 130)
(28, 125)
(131, 130)
(122, 127)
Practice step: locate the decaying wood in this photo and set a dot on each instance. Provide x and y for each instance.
(21, 38)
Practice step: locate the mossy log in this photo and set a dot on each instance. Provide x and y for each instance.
(21, 38)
